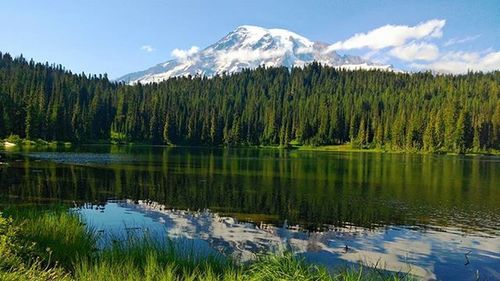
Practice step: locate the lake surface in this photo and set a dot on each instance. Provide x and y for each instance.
(435, 216)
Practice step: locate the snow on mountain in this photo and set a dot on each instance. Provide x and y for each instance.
(249, 47)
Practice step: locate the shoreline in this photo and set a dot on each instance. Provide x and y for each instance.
(64, 248)
(294, 147)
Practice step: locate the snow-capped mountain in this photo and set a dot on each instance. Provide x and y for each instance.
(249, 47)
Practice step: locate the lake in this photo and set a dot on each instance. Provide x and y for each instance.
(435, 216)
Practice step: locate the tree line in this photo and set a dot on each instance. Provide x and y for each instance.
(314, 105)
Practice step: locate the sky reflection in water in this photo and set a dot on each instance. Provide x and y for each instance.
(448, 205)
(446, 254)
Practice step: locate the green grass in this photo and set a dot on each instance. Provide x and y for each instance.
(146, 259)
(385, 149)
(18, 141)
(58, 236)
(340, 147)
(39, 244)
(285, 266)
(17, 260)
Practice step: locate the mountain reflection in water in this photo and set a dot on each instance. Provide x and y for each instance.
(426, 212)
(442, 253)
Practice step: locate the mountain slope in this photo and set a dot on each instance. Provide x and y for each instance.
(249, 47)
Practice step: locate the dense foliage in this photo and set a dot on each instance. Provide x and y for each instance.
(314, 105)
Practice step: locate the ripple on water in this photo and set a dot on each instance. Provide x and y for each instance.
(82, 158)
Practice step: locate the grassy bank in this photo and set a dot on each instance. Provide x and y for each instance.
(348, 147)
(52, 244)
(340, 147)
(15, 140)
(351, 148)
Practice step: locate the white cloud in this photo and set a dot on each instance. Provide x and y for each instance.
(454, 41)
(461, 62)
(147, 48)
(413, 43)
(416, 51)
(391, 36)
(184, 55)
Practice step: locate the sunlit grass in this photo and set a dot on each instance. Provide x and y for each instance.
(143, 260)
(285, 266)
(57, 236)
(17, 261)
(149, 259)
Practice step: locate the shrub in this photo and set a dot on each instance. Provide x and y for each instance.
(14, 139)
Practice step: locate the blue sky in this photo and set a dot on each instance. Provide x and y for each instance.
(98, 36)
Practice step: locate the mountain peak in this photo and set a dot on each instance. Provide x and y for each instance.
(256, 37)
(250, 28)
(258, 32)
(250, 46)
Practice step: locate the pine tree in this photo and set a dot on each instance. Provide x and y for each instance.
(267, 106)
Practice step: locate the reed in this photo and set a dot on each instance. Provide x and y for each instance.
(58, 237)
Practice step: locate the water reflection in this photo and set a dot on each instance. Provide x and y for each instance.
(312, 189)
(400, 210)
(446, 254)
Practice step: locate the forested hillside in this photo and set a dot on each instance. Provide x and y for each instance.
(315, 105)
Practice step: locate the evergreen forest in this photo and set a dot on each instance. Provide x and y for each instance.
(315, 105)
